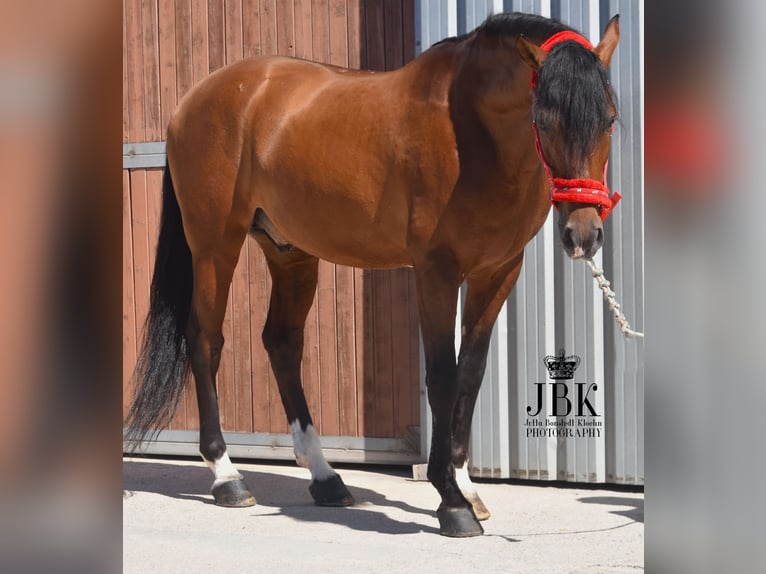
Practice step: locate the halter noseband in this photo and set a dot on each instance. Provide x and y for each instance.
(574, 190)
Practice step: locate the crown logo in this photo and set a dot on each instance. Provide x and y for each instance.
(560, 366)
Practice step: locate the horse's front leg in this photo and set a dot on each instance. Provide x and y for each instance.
(438, 283)
(484, 299)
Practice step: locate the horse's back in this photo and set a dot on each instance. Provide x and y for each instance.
(224, 100)
(257, 96)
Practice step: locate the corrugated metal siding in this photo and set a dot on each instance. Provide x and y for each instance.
(624, 263)
(556, 303)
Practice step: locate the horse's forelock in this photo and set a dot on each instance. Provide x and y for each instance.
(574, 91)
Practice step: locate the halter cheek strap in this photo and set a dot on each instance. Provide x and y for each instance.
(574, 190)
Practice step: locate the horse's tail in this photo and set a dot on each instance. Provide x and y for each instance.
(162, 367)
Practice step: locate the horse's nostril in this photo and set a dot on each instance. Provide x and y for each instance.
(599, 236)
(567, 238)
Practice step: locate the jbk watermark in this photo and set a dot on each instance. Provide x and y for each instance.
(572, 403)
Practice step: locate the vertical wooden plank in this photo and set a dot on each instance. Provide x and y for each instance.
(233, 30)
(129, 343)
(240, 306)
(133, 32)
(302, 28)
(408, 29)
(251, 28)
(186, 414)
(320, 41)
(414, 349)
(354, 37)
(153, 210)
(141, 268)
(338, 33)
(227, 392)
(151, 65)
(264, 399)
(310, 371)
(365, 294)
(125, 77)
(346, 349)
(400, 350)
(216, 28)
(184, 74)
(189, 404)
(392, 26)
(167, 55)
(328, 348)
(374, 37)
(384, 400)
(363, 57)
(278, 418)
(200, 59)
(285, 28)
(268, 27)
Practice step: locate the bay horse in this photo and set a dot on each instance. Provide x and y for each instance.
(448, 165)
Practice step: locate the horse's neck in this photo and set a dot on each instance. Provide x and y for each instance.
(430, 75)
(491, 108)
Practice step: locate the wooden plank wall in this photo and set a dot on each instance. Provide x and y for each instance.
(360, 364)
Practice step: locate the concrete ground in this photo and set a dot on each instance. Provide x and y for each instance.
(170, 524)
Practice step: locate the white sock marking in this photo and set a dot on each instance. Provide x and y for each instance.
(308, 451)
(464, 481)
(223, 469)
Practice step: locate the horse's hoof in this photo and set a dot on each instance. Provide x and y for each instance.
(233, 494)
(479, 509)
(330, 492)
(458, 522)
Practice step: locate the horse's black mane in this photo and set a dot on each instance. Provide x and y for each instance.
(574, 90)
(573, 87)
(513, 24)
(516, 23)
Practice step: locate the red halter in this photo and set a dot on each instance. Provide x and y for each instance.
(574, 190)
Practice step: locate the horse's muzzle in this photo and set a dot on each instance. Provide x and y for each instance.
(582, 243)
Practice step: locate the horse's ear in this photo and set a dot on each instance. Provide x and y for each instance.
(608, 42)
(531, 53)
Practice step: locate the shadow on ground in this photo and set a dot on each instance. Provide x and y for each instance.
(287, 495)
(636, 513)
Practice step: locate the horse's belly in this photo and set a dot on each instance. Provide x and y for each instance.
(335, 228)
(349, 246)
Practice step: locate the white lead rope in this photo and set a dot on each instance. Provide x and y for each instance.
(609, 295)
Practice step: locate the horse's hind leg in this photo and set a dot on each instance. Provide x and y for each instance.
(212, 278)
(211, 286)
(294, 280)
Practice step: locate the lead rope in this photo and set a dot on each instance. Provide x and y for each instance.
(611, 298)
